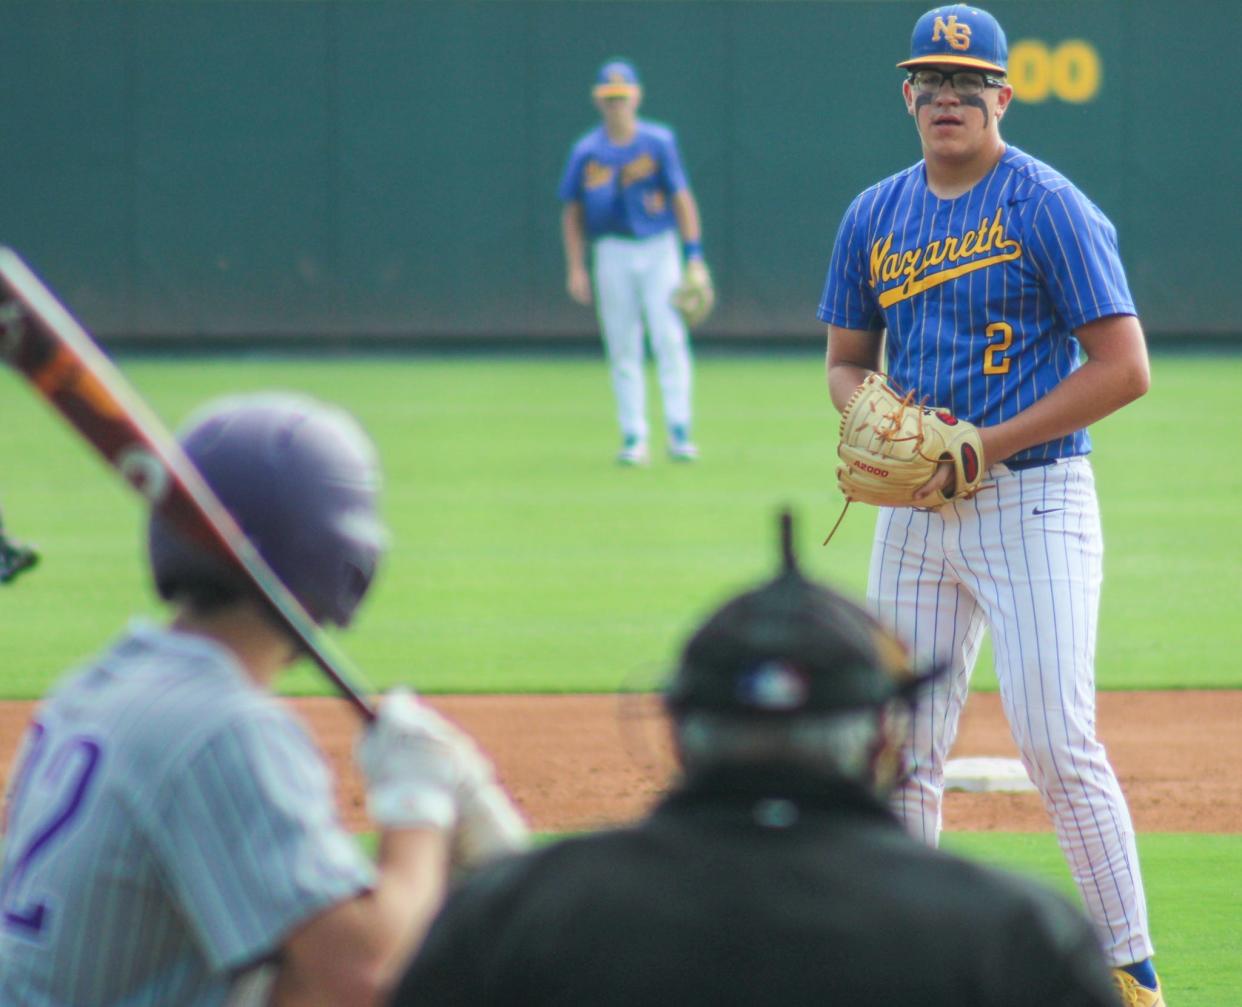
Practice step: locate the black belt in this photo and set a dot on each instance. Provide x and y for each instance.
(1030, 463)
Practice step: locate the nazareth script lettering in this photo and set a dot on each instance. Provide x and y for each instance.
(917, 268)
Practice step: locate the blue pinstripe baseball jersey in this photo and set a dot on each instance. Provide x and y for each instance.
(625, 190)
(169, 824)
(980, 295)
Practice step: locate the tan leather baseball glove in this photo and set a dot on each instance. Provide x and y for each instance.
(891, 445)
(696, 297)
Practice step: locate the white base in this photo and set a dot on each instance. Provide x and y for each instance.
(985, 774)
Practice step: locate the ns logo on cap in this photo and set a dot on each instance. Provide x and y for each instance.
(951, 31)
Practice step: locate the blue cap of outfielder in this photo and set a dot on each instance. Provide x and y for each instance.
(958, 35)
(616, 79)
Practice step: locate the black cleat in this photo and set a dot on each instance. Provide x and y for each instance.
(15, 559)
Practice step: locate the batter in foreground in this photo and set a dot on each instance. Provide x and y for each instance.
(172, 835)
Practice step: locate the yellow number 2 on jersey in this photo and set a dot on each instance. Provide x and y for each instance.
(994, 359)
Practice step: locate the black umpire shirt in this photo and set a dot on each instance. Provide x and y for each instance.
(756, 886)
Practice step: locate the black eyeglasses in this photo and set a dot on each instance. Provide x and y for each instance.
(965, 82)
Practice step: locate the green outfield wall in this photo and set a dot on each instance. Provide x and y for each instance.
(388, 169)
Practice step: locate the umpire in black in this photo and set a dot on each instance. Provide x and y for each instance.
(773, 873)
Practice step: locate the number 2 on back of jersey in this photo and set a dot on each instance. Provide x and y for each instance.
(64, 776)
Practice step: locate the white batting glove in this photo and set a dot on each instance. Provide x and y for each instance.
(489, 826)
(422, 771)
(415, 764)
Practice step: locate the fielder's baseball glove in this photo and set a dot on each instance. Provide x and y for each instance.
(891, 446)
(695, 298)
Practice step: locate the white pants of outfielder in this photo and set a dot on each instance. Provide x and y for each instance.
(1022, 558)
(634, 284)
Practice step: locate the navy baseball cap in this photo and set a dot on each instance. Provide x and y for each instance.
(958, 35)
(616, 79)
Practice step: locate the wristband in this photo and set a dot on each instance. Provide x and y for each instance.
(692, 249)
(398, 806)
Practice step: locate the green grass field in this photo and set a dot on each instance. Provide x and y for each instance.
(525, 560)
(1192, 892)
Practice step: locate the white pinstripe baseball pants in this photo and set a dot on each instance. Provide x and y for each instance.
(1022, 558)
(634, 284)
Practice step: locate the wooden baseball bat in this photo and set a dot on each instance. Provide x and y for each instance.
(42, 340)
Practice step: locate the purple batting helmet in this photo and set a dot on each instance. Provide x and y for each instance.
(302, 480)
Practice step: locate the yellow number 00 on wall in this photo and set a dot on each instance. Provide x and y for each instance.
(1071, 71)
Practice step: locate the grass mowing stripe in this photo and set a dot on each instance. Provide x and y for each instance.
(525, 560)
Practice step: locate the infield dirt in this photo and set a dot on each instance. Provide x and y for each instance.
(581, 762)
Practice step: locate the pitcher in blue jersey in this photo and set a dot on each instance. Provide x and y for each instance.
(982, 279)
(172, 836)
(626, 198)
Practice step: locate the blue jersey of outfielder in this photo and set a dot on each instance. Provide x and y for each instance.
(169, 824)
(625, 191)
(980, 295)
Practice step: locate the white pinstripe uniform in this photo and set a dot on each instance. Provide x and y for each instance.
(980, 296)
(168, 825)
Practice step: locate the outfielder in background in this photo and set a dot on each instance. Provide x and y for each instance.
(773, 873)
(990, 272)
(172, 835)
(626, 196)
(15, 558)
